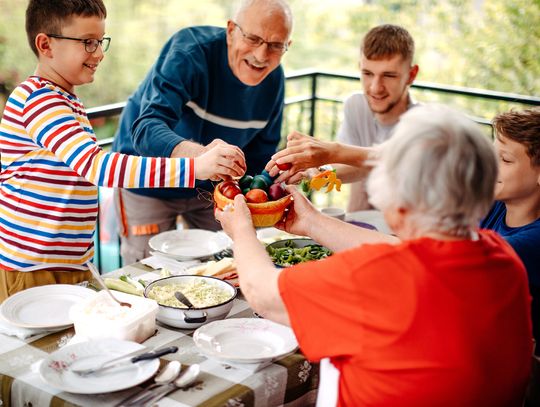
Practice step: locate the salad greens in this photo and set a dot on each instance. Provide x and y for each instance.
(292, 254)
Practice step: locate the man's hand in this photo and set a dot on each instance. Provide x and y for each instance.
(302, 152)
(220, 161)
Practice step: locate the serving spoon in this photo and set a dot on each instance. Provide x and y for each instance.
(183, 299)
(98, 278)
(165, 376)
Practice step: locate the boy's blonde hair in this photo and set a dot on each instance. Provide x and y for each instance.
(523, 127)
(49, 16)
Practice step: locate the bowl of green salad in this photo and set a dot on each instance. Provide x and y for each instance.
(288, 252)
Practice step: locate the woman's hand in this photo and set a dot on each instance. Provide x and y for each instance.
(237, 219)
(301, 215)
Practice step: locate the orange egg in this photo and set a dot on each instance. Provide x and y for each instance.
(256, 196)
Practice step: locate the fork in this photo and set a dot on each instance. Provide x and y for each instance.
(98, 278)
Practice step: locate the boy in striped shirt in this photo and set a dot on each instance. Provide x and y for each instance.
(51, 164)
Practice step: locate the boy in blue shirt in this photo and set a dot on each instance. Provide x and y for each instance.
(516, 212)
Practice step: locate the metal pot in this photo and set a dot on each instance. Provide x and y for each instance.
(193, 317)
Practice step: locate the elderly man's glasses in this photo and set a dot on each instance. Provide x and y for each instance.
(256, 41)
(90, 44)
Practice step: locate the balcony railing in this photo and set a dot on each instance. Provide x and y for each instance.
(312, 106)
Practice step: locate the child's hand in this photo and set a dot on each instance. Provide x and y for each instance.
(220, 161)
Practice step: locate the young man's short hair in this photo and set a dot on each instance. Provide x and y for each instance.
(386, 41)
(49, 16)
(523, 127)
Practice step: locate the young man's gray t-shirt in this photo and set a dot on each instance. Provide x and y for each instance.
(359, 126)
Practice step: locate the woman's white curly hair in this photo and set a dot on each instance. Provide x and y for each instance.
(440, 167)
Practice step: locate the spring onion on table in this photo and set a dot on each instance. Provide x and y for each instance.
(125, 284)
(290, 254)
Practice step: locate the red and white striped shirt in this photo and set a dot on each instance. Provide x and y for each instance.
(51, 166)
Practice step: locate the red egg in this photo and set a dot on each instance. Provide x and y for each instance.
(230, 189)
(276, 191)
(284, 166)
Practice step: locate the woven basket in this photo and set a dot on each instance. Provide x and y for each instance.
(263, 214)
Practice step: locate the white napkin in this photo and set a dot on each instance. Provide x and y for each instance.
(175, 267)
(9, 329)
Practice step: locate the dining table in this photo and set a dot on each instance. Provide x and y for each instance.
(289, 381)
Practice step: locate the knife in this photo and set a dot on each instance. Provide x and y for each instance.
(125, 360)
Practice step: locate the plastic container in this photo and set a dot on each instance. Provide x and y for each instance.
(100, 317)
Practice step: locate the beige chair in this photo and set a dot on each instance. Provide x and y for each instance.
(327, 395)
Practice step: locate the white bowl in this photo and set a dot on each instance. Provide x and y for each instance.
(99, 317)
(193, 317)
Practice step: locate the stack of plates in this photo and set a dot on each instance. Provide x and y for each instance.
(55, 369)
(44, 307)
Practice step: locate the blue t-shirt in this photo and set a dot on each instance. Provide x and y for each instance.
(191, 94)
(525, 240)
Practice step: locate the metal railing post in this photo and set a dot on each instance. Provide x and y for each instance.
(313, 103)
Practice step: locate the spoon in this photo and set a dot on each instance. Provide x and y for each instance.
(165, 376)
(184, 380)
(183, 299)
(98, 278)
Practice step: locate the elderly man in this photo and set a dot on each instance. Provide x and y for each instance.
(436, 315)
(209, 85)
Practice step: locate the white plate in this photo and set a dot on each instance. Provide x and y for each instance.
(189, 243)
(245, 340)
(43, 307)
(54, 369)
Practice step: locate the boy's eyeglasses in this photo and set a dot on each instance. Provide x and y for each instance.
(256, 41)
(90, 44)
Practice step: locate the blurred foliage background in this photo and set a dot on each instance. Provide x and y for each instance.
(484, 44)
(489, 44)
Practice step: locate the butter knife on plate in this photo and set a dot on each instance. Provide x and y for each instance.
(123, 360)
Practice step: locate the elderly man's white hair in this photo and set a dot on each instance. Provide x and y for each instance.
(272, 6)
(440, 167)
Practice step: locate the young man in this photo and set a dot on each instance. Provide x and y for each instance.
(51, 163)
(387, 71)
(209, 85)
(516, 212)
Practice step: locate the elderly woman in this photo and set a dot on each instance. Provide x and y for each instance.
(438, 315)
